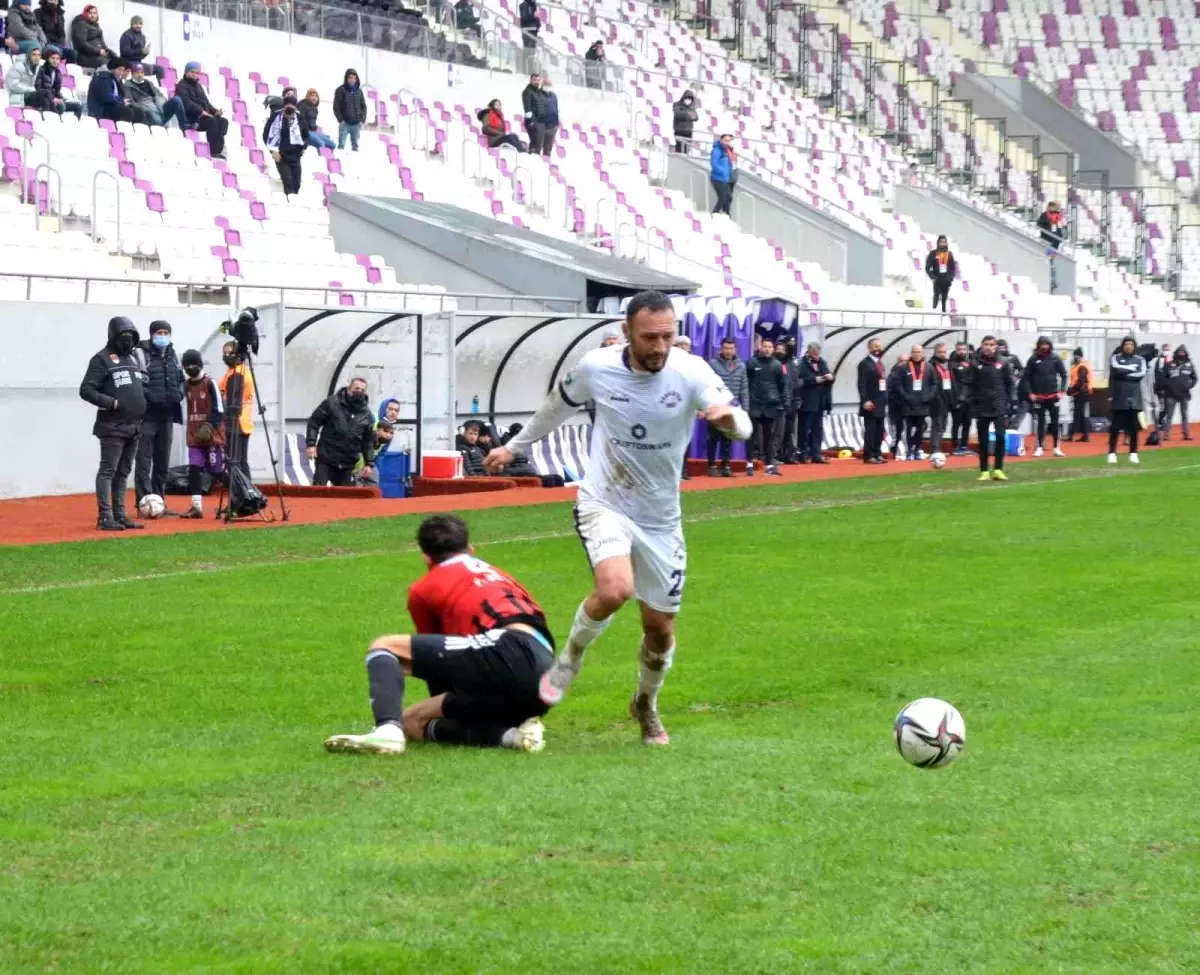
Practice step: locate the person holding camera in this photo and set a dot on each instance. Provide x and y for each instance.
(116, 385)
(237, 390)
(286, 137)
(340, 431)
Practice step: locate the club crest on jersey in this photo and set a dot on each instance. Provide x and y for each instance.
(671, 399)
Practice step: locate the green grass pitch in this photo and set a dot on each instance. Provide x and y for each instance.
(165, 804)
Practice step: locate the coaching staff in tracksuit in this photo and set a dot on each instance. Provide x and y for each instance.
(1046, 381)
(872, 402)
(115, 384)
(341, 430)
(960, 406)
(766, 393)
(993, 387)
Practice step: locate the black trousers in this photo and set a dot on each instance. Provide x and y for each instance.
(214, 128)
(536, 132)
(937, 429)
(872, 436)
(914, 433)
(154, 456)
(896, 425)
(940, 290)
(1079, 417)
(960, 426)
(1047, 412)
(982, 424)
(112, 476)
(814, 434)
(724, 193)
(718, 441)
(290, 172)
(328, 474)
(1123, 421)
(762, 439)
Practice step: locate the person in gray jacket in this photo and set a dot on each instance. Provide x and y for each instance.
(19, 80)
(1126, 370)
(22, 27)
(732, 371)
(143, 93)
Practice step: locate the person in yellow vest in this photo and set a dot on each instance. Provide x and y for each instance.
(237, 391)
(1079, 388)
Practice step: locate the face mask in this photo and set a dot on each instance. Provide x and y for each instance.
(124, 343)
(192, 371)
(161, 341)
(358, 399)
(229, 360)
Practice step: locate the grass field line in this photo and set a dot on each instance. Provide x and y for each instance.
(811, 504)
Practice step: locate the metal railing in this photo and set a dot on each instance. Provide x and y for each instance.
(848, 318)
(104, 174)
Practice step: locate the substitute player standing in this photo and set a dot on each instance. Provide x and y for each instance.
(646, 396)
(482, 644)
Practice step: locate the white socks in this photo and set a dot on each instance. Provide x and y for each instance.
(583, 631)
(652, 671)
(198, 502)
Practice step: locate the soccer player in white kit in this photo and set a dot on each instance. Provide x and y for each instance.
(647, 395)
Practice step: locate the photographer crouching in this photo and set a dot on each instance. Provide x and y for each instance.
(340, 431)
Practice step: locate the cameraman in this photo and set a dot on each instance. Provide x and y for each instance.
(237, 390)
(341, 430)
(286, 137)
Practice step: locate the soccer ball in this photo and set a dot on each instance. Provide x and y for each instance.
(151, 506)
(930, 733)
(938, 460)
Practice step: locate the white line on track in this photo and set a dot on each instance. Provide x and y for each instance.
(805, 505)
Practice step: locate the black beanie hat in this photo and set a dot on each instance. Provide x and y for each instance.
(160, 326)
(192, 358)
(1079, 351)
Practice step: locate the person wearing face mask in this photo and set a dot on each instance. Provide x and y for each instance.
(1126, 370)
(1080, 390)
(895, 405)
(164, 393)
(1178, 380)
(116, 385)
(205, 430)
(340, 431)
(766, 387)
(286, 136)
(237, 391)
(1046, 380)
(960, 398)
(941, 268)
(992, 386)
(683, 120)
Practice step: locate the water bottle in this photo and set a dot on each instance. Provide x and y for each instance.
(474, 404)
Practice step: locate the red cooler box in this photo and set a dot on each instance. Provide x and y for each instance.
(441, 463)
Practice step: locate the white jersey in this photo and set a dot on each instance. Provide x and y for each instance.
(643, 425)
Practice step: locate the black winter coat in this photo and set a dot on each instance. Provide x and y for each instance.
(992, 385)
(941, 398)
(1045, 375)
(53, 24)
(115, 385)
(895, 399)
(814, 396)
(350, 106)
(1178, 379)
(164, 381)
(533, 102)
(341, 433)
(683, 120)
(1125, 375)
(308, 115)
(87, 38)
(933, 269)
(194, 98)
(960, 376)
(870, 372)
(766, 387)
(286, 147)
(527, 11)
(915, 386)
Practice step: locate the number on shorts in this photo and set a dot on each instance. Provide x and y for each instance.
(677, 579)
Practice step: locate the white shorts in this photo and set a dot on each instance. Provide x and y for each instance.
(659, 558)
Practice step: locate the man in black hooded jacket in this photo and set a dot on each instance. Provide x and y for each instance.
(341, 430)
(164, 394)
(116, 385)
(1176, 379)
(1046, 382)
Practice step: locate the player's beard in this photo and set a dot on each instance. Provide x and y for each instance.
(645, 365)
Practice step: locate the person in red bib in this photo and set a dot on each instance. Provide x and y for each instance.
(481, 646)
(916, 390)
(941, 395)
(941, 269)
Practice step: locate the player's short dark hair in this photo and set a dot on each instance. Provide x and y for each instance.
(442, 537)
(651, 301)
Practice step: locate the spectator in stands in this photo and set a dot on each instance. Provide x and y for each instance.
(941, 395)
(22, 27)
(49, 16)
(135, 47)
(309, 108)
(549, 120)
(993, 387)
(895, 404)
(1053, 225)
(106, 96)
(766, 391)
(495, 128)
(87, 39)
(473, 453)
(960, 405)
(723, 166)
(1126, 370)
(204, 417)
(593, 66)
(533, 105)
(286, 137)
(145, 96)
(201, 113)
(1178, 381)
(732, 370)
(816, 400)
(915, 389)
(941, 269)
(113, 384)
(1079, 388)
(465, 18)
(340, 431)
(164, 393)
(48, 82)
(872, 402)
(531, 24)
(1046, 380)
(683, 121)
(350, 109)
(19, 80)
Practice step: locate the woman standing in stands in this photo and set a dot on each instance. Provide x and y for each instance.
(1126, 370)
(941, 269)
(286, 137)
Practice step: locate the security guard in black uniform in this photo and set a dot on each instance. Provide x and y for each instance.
(115, 385)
